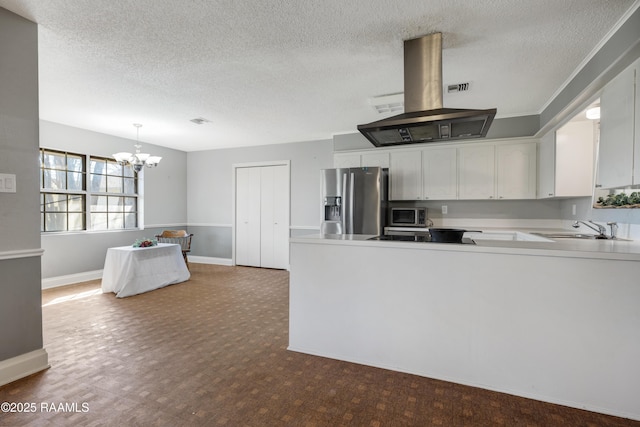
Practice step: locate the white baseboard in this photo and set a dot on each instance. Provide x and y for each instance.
(22, 366)
(69, 279)
(209, 260)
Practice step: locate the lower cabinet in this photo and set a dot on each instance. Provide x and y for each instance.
(262, 216)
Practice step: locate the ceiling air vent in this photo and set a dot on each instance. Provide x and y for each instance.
(460, 87)
(388, 103)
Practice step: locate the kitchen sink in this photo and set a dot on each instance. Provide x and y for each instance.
(570, 236)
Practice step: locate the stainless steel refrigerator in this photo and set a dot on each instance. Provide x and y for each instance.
(354, 200)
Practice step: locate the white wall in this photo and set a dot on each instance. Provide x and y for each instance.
(210, 189)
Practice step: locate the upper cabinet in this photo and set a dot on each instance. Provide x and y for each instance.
(620, 131)
(516, 171)
(500, 171)
(477, 172)
(405, 175)
(440, 173)
(356, 160)
(566, 160)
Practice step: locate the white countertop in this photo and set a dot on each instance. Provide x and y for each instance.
(572, 248)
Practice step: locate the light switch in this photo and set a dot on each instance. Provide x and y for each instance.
(7, 183)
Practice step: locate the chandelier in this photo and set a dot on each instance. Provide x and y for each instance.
(137, 160)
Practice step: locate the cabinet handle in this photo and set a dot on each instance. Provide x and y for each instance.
(598, 185)
(550, 194)
(501, 197)
(491, 197)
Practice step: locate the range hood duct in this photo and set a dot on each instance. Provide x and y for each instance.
(424, 119)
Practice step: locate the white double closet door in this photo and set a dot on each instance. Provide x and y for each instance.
(262, 216)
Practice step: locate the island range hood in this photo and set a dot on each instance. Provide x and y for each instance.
(424, 119)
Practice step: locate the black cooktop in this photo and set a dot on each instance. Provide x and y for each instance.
(424, 238)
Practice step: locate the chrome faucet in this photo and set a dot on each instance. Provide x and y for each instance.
(595, 227)
(614, 229)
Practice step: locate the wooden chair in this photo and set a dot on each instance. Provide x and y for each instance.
(181, 237)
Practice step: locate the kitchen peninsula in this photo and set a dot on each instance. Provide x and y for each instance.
(557, 321)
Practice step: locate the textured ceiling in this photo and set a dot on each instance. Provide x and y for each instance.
(283, 71)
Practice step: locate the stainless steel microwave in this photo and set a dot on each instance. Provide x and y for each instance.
(408, 217)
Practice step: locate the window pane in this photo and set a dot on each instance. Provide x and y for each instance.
(74, 163)
(98, 166)
(41, 221)
(129, 186)
(76, 203)
(98, 203)
(55, 203)
(55, 221)
(114, 184)
(129, 204)
(54, 160)
(99, 221)
(115, 204)
(128, 172)
(55, 180)
(113, 168)
(130, 220)
(98, 183)
(116, 221)
(74, 181)
(76, 221)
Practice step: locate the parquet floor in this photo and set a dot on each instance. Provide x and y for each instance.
(212, 352)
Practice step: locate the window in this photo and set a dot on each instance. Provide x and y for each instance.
(114, 199)
(109, 193)
(62, 196)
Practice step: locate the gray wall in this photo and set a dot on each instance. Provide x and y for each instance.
(210, 179)
(165, 200)
(20, 300)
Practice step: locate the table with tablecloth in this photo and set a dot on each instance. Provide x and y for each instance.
(130, 271)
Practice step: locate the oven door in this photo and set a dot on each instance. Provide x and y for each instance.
(404, 217)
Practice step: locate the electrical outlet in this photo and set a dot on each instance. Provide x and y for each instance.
(444, 209)
(7, 183)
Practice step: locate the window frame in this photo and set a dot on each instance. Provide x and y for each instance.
(88, 195)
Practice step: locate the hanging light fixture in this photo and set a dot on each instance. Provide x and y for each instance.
(137, 160)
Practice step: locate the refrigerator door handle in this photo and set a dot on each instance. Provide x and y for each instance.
(345, 206)
(351, 202)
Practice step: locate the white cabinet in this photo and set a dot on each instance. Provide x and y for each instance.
(566, 164)
(516, 171)
(380, 159)
(262, 216)
(500, 171)
(405, 175)
(440, 173)
(361, 159)
(476, 172)
(346, 160)
(618, 123)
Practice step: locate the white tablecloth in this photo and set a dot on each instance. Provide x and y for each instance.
(131, 271)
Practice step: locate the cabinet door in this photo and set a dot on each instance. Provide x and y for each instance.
(575, 144)
(547, 166)
(476, 173)
(274, 217)
(347, 160)
(405, 175)
(615, 151)
(440, 173)
(516, 171)
(248, 216)
(375, 159)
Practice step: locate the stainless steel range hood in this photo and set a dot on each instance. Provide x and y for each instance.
(424, 119)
